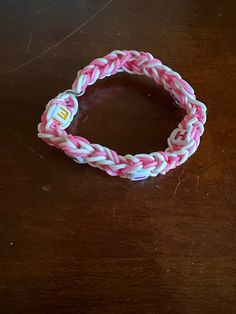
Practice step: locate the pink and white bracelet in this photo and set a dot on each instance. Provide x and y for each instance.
(182, 142)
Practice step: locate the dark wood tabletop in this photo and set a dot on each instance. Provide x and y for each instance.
(72, 238)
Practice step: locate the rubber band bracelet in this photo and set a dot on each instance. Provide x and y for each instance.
(182, 142)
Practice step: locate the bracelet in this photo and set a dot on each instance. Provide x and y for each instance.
(182, 142)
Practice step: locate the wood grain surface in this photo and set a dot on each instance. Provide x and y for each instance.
(74, 240)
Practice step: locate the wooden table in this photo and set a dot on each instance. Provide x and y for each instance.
(74, 240)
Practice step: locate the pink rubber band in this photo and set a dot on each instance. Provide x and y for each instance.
(182, 142)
